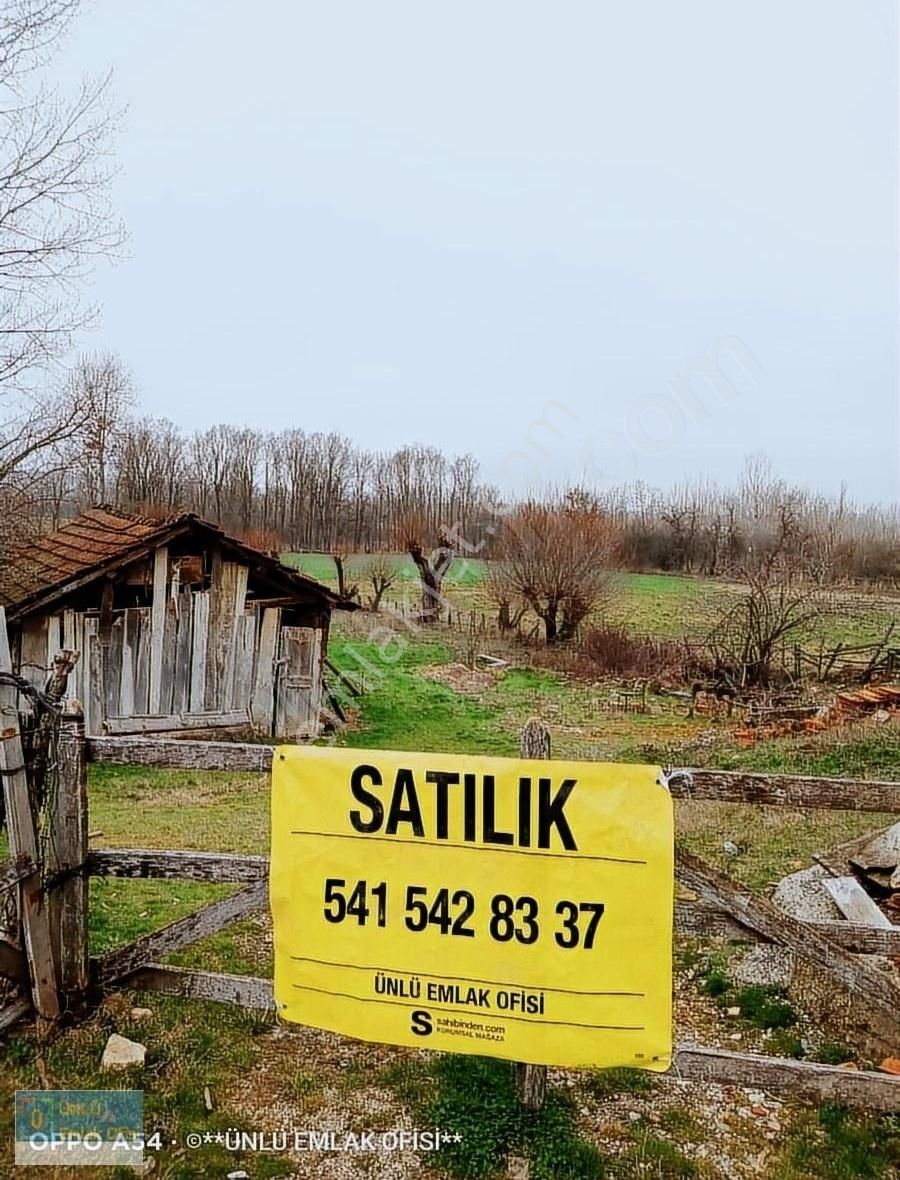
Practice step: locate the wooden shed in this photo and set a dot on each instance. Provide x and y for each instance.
(179, 626)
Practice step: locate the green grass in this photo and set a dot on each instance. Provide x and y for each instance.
(476, 1098)
(401, 708)
(403, 711)
(463, 572)
(836, 1144)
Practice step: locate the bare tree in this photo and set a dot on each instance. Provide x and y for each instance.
(346, 587)
(55, 216)
(55, 220)
(103, 386)
(781, 595)
(432, 569)
(557, 556)
(381, 572)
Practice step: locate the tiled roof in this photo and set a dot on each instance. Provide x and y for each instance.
(50, 559)
(99, 536)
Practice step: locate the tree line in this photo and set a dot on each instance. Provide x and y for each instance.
(70, 435)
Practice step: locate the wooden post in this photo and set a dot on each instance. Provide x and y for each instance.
(531, 1080)
(23, 845)
(67, 861)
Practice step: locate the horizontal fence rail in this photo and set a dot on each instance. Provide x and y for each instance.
(716, 786)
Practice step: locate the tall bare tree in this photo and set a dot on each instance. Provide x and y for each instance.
(557, 555)
(55, 219)
(433, 567)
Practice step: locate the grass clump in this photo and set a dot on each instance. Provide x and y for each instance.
(765, 1005)
(838, 1144)
(475, 1097)
(834, 1053)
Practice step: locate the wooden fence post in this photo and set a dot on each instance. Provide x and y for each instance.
(67, 856)
(531, 1080)
(23, 845)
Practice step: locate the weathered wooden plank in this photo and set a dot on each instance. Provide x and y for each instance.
(112, 677)
(81, 668)
(246, 757)
(23, 843)
(33, 665)
(13, 1013)
(787, 790)
(876, 988)
(244, 651)
(234, 590)
(93, 672)
(67, 850)
(177, 722)
(158, 625)
(243, 991)
(824, 1083)
(142, 661)
(853, 901)
(186, 755)
(262, 703)
(182, 672)
(126, 676)
(199, 640)
(182, 933)
(177, 865)
(697, 918)
(167, 677)
(212, 694)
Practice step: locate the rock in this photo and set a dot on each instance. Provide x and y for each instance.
(848, 1065)
(730, 848)
(759, 1111)
(120, 1053)
(881, 715)
(238, 1176)
(801, 895)
(890, 1065)
(881, 852)
(732, 1011)
(634, 1116)
(735, 1037)
(766, 963)
(139, 1014)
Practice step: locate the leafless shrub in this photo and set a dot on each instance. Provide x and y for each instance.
(556, 556)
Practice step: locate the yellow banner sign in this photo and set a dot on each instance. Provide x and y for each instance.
(514, 908)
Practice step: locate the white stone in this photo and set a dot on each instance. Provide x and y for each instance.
(801, 895)
(138, 1014)
(766, 964)
(120, 1053)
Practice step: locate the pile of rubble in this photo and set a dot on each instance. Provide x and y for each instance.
(858, 882)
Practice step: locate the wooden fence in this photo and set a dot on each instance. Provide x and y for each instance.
(56, 978)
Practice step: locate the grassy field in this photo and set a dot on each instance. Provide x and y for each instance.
(667, 606)
(417, 697)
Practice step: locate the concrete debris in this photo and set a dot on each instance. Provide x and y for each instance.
(801, 895)
(766, 964)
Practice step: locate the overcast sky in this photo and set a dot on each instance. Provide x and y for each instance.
(419, 222)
